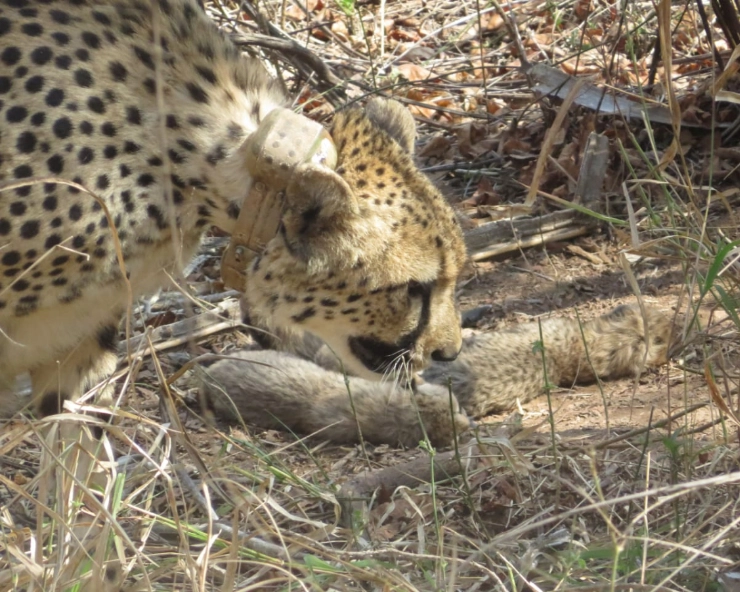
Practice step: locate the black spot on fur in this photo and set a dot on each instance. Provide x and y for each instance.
(30, 229)
(186, 145)
(83, 78)
(133, 115)
(96, 105)
(306, 314)
(145, 180)
(62, 128)
(197, 93)
(32, 29)
(206, 73)
(26, 143)
(16, 114)
(109, 129)
(233, 211)
(10, 56)
(144, 57)
(62, 39)
(20, 286)
(60, 17)
(11, 258)
(216, 155)
(118, 71)
(102, 182)
(63, 62)
(55, 164)
(156, 214)
(34, 84)
(91, 39)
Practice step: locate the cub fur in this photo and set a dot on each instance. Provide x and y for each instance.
(277, 390)
(495, 369)
(492, 372)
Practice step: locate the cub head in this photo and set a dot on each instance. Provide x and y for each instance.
(368, 255)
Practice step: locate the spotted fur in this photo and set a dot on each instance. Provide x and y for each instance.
(102, 190)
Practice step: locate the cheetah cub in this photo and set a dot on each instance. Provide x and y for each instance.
(280, 390)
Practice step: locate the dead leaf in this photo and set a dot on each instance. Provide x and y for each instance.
(512, 145)
(717, 398)
(582, 9)
(484, 194)
(469, 137)
(413, 72)
(493, 106)
(492, 21)
(403, 35)
(579, 67)
(340, 30)
(437, 147)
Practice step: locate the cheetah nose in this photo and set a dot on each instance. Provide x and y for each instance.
(445, 354)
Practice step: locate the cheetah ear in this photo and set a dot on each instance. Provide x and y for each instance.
(320, 211)
(395, 120)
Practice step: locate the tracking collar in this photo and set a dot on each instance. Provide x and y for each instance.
(282, 141)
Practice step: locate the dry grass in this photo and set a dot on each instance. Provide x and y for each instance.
(172, 503)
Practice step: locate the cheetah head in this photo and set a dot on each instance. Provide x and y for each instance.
(368, 255)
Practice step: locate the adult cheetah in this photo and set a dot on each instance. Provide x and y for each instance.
(123, 137)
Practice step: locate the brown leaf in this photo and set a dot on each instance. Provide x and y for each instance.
(515, 145)
(413, 72)
(582, 9)
(403, 35)
(494, 106)
(437, 147)
(717, 397)
(294, 13)
(468, 135)
(492, 21)
(579, 67)
(484, 194)
(340, 30)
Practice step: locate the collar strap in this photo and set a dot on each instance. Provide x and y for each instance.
(282, 141)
